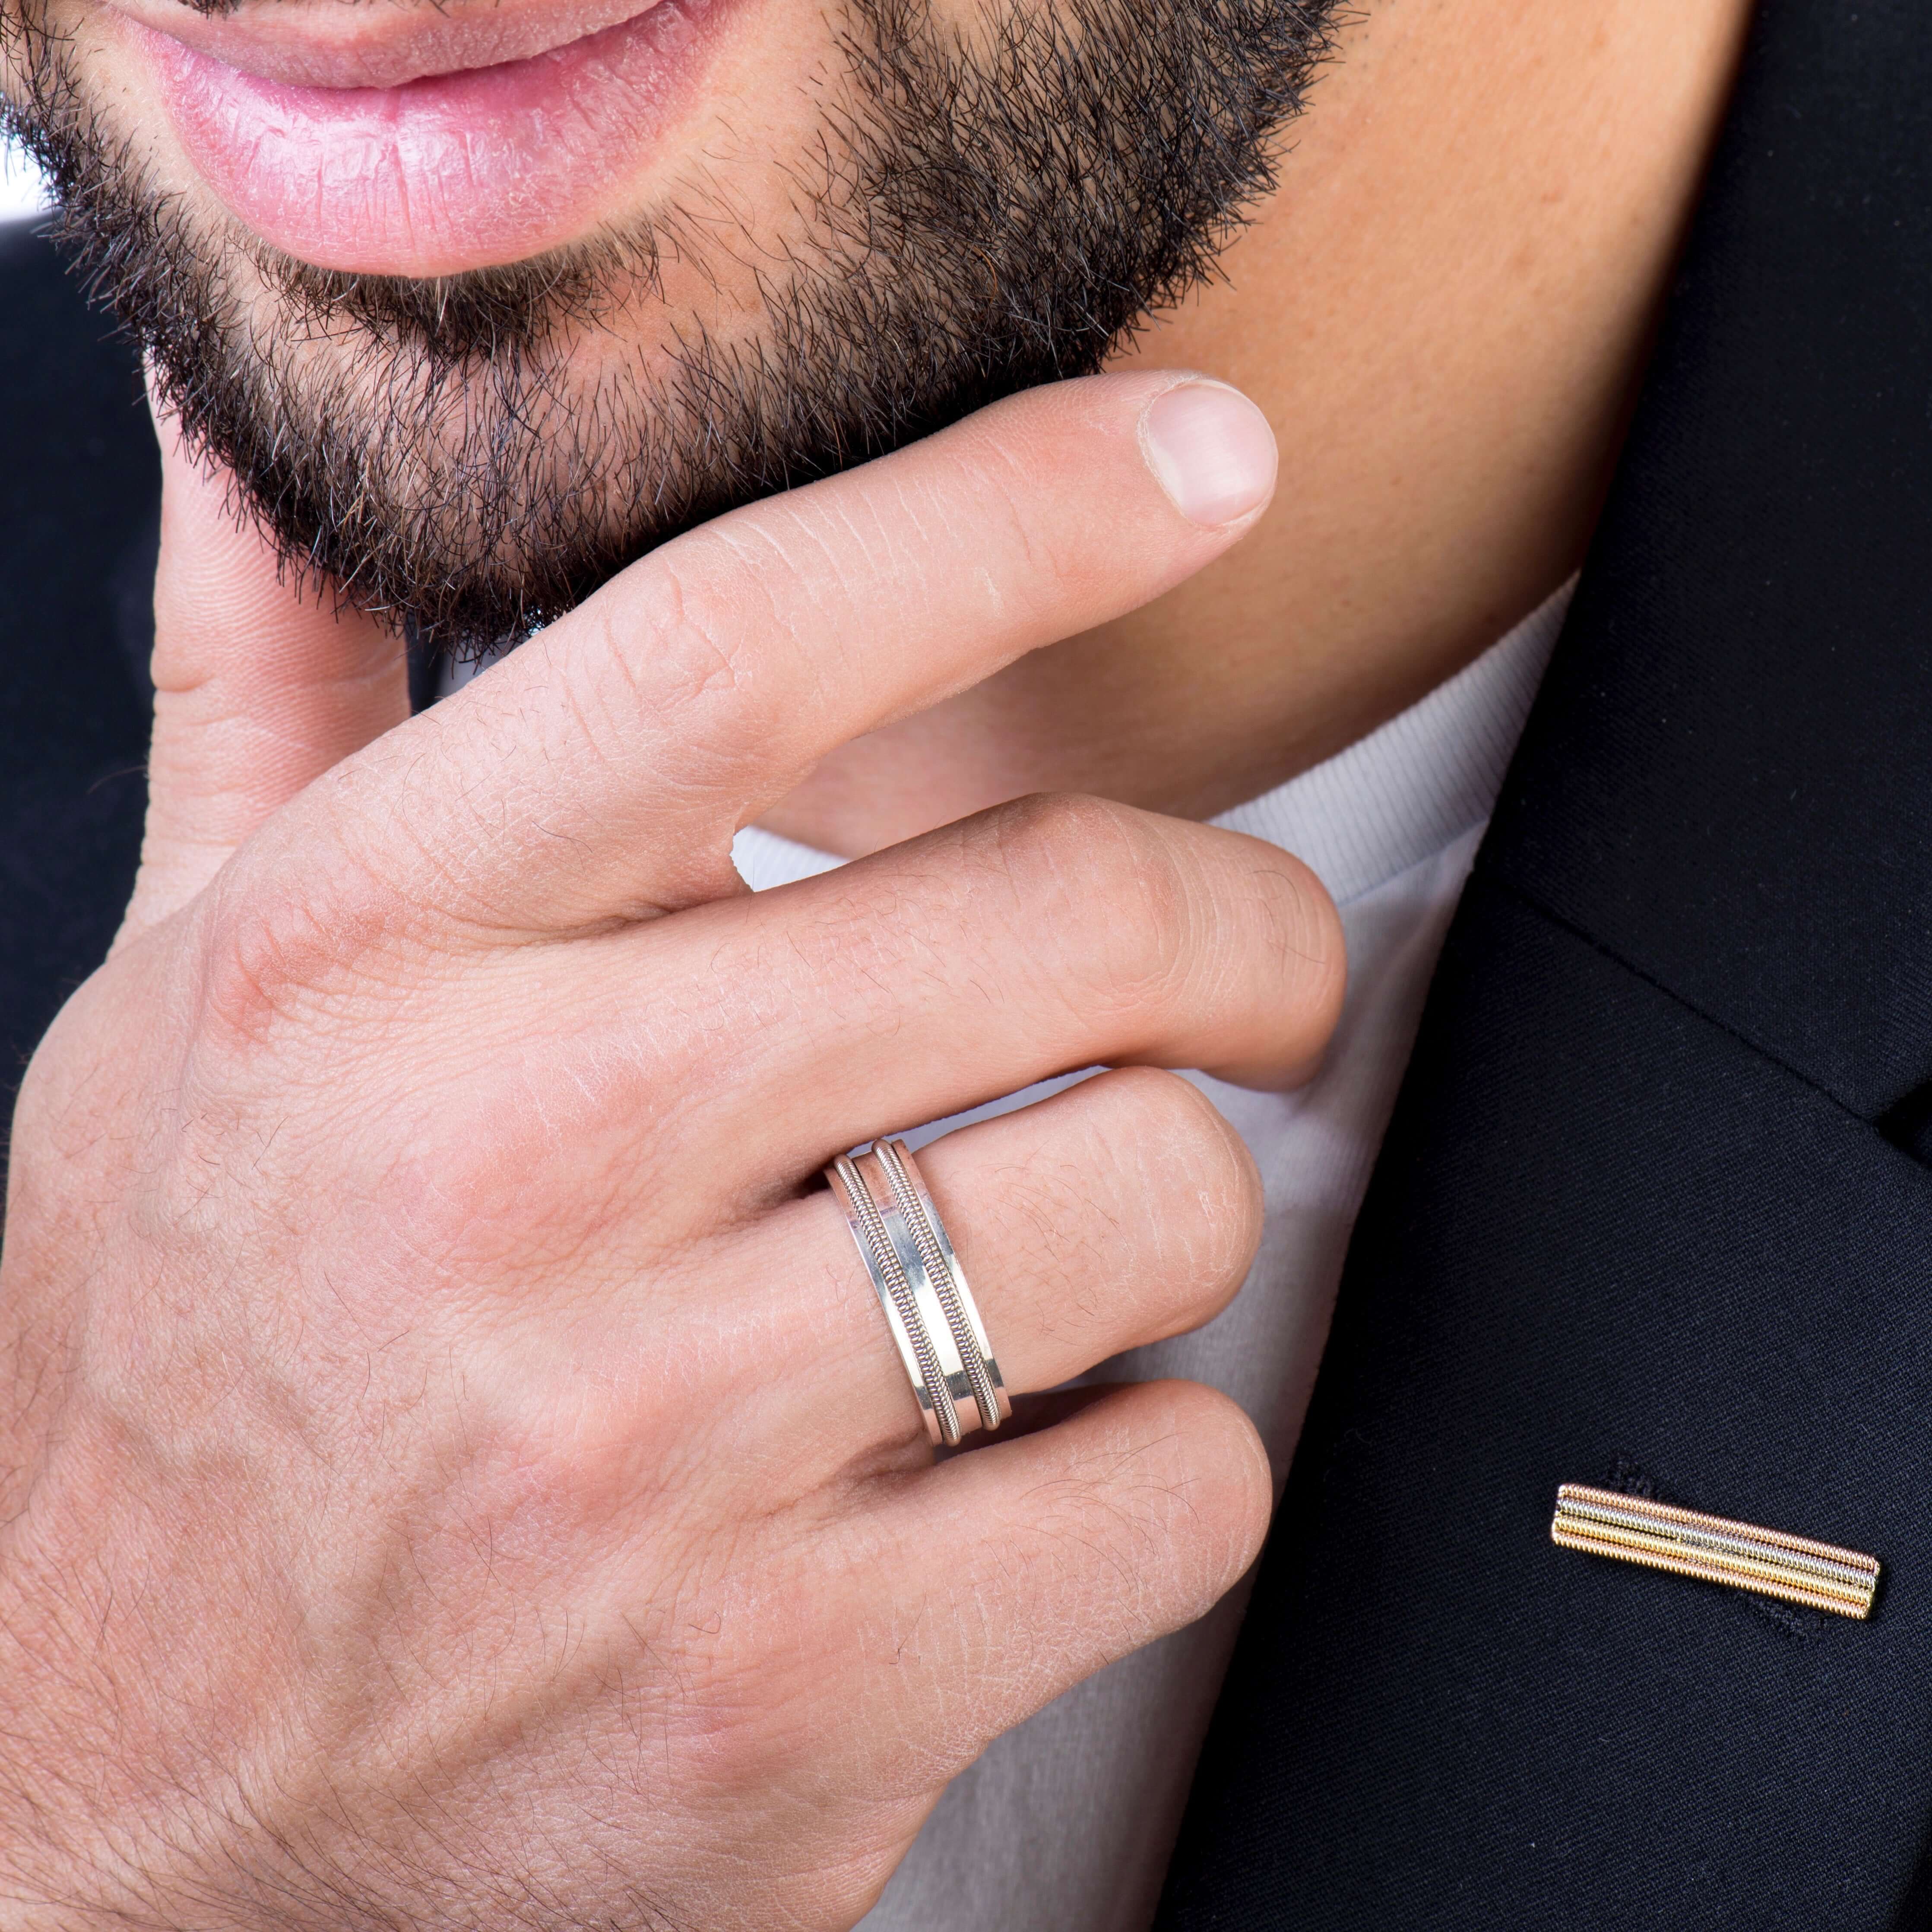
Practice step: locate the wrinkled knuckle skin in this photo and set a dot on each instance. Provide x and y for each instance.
(1055, 829)
(1170, 1492)
(273, 942)
(1223, 1487)
(1306, 934)
(1106, 867)
(692, 677)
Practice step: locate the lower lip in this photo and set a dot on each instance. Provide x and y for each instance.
(452, 172)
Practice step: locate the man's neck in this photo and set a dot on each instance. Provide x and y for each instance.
(1444, 312)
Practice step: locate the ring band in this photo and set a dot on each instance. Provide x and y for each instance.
(942, 1265)
(934, 1321)
(879, 1252)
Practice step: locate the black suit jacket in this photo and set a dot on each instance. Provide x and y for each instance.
(1655, 1211)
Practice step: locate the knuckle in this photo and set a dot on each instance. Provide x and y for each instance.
(687, 660)
(1169, 1488)
(266, 949)
(685, 655)
(273, 944)
(1002, 473)
(1211, 1218)
(1173, 1148)
(1111, 865)
(1214, 1472)
(1053, 826)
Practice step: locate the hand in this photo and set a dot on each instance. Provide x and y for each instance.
(453, 1470)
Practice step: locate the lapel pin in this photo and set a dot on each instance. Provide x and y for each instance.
(1819, 1575)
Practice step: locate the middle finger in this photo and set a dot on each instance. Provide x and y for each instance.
(1035, 939)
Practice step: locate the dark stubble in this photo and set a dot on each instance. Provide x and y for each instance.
(971, 222)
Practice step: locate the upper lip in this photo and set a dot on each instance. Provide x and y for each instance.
(379, 42)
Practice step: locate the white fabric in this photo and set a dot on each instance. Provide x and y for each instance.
(1066, 1824)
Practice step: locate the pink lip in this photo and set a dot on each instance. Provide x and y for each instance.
(444, 173)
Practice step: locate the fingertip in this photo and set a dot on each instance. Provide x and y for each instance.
(188, 475)
(1152, 474)
(225, 592)
(212, 551)
(1210, 450)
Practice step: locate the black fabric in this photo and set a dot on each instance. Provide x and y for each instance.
(80, 508)
(1649, 1212)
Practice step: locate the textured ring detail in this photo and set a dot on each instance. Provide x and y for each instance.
(922, 1289)
(874, 1244)
(969, 1334)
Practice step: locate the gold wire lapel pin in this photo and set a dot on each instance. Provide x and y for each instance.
(1819, 1575)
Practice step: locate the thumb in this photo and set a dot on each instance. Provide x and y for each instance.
(260, 687)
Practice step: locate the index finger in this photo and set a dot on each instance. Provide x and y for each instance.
(601, 771)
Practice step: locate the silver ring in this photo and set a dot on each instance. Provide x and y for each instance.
(934, 1322)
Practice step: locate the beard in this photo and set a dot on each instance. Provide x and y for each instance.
(473, 455)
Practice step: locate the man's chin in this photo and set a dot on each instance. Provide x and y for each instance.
(473, 453)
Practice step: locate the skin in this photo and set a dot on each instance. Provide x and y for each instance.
(414, 1504)
(1442, 314)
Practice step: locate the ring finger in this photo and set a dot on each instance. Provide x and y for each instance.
(1118, 1212)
